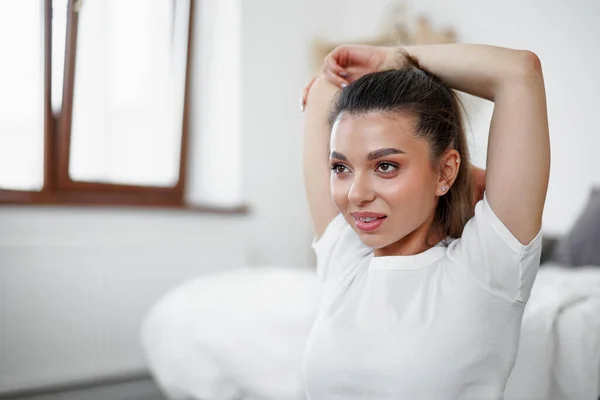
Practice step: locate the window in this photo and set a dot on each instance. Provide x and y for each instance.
(95, 105)
(22, 95)
(128, 91)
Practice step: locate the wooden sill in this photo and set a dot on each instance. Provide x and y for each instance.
(72, 198)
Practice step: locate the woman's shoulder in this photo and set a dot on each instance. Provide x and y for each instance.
(493, 255)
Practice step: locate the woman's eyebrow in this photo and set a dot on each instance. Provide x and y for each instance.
(371, 156)
(382, 153)
(338, 156)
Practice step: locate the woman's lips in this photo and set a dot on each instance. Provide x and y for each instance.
(366, 214)
(369, 226)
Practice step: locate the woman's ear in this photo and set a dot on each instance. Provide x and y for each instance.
(448, 170)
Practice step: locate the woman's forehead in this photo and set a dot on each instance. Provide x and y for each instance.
(363, 134)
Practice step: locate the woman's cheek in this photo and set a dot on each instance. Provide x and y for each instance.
(392, 188)
(339, 193)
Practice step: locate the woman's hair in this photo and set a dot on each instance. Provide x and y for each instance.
(438, 120)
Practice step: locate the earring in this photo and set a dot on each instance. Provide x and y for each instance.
(443, 188)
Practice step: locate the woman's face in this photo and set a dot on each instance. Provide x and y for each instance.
(382, 179)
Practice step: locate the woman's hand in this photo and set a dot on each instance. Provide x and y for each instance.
(478, 184)
(305, 93)
(347, 63)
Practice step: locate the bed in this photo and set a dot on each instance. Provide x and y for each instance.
(240, 334)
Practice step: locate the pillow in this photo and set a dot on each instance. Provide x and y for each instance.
(581, 246)
(548, 248)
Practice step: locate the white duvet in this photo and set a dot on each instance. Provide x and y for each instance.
(240, 335)
(559, 350)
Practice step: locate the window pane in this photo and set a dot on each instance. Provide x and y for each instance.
(22, 95)
(59, 36)
(129, 87)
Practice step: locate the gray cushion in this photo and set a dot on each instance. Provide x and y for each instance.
(581, 246)
(548, 248)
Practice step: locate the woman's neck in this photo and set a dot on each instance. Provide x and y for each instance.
(414, 243)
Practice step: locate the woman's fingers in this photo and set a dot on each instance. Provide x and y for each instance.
(334, 62)
(305, 93)
(334, 78)
(333, 72)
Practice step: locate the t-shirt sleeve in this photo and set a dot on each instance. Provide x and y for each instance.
(495, 257)
(338, 250)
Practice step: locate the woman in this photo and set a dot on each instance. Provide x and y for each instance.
(424, 295)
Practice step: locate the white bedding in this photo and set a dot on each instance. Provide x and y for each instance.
(559, 351)
(240, 335)
(233, 335)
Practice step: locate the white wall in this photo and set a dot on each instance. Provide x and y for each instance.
(74, 283)
(565, 35)
(275, 68)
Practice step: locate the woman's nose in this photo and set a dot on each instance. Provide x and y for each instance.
(361, 190)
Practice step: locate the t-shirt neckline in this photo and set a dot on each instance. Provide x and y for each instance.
(409, 263)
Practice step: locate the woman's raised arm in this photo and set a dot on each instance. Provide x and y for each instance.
(316, 154)
(518, 158)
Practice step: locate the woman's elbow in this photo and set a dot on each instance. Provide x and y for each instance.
(529, 65)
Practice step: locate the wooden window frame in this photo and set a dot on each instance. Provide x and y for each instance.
(58, 187)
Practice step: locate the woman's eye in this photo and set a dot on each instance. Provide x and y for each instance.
(386, 167)
(338, 168)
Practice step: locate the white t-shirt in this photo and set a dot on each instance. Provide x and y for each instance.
(442, 324)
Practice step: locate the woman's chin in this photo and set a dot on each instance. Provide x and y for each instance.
(372, 240)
